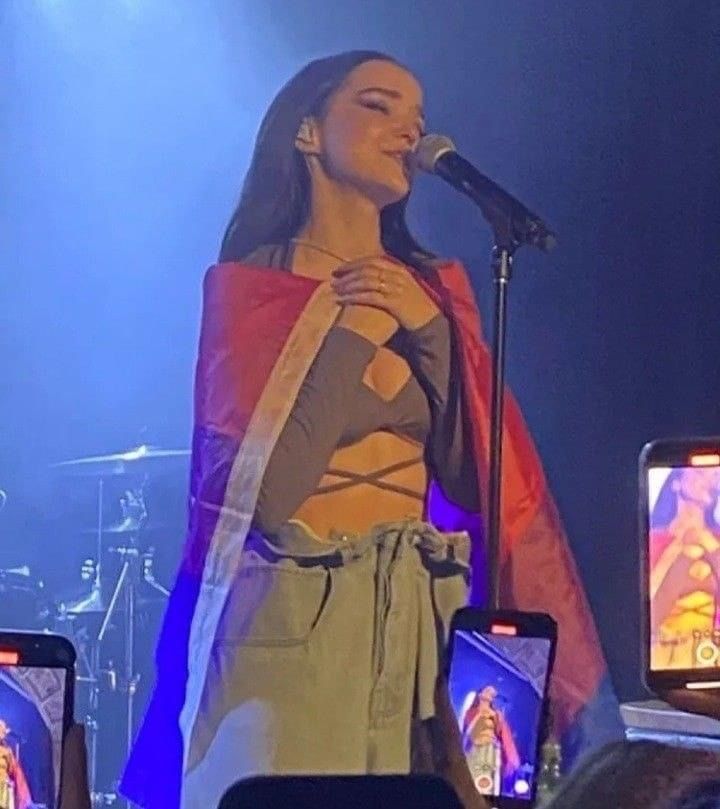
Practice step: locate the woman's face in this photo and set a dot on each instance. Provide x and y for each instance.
(372, 123)
(699, 486)
(488, 694)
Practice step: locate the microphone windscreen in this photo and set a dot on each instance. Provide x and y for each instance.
(429, 149)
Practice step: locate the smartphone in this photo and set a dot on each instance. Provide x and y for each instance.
(37, 673)
(499, 665)
(679, 508)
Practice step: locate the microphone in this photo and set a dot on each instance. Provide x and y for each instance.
(436, 154)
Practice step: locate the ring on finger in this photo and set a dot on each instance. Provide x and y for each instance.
(383, 285)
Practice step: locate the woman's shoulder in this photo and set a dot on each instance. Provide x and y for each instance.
(259, 275)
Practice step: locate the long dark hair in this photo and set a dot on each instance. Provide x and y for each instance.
(275, 199)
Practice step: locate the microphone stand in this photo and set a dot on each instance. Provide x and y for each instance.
(507, 238)
(513, 225)
(501, 265)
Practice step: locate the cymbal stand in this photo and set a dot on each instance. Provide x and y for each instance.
(135, 513)
(93, 666)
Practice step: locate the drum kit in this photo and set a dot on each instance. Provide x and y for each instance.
(106, 614)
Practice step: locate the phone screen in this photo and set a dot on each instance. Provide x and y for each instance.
(497, 688)
(683, 553)
(32, 703)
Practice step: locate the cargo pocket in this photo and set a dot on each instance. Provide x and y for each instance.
(274, 603)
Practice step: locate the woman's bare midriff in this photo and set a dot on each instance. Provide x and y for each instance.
(357, 508)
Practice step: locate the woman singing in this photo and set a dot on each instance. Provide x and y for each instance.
(341, 428)
(14, 789)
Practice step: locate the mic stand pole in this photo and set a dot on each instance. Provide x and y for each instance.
(501, 264)
(511, 229)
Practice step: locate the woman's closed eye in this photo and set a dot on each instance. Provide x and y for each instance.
(380, 106)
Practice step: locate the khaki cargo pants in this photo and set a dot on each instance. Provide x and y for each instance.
(325, 654)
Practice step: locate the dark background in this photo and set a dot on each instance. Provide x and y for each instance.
(127, 127)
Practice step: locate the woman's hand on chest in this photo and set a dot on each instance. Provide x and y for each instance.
(384, 283)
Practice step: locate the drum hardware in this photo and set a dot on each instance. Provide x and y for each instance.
(119, 604)
(23, 570)
(124, 527)
(21, 594)
(103, 798)
(125, 592)
(93, 601)
(149, 575)
(142, 461)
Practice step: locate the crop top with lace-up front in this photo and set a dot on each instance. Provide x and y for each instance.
(335, 408)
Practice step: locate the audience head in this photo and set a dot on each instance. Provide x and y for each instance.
(643, 775)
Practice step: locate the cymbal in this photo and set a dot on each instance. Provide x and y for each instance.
(134, 461)
(92, 602)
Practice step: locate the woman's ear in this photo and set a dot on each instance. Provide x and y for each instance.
(307, 139)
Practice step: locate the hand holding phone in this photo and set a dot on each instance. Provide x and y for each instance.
(74, 789)
(450, 760)
(37, 674)
(679, 508)
(499, 670)
(706, 703)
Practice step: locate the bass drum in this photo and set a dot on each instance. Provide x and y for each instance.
(22, 600)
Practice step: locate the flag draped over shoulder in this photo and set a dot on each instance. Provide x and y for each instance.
(261, 330)
(537, 570)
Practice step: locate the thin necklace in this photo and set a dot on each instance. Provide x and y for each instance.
(312, 246)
